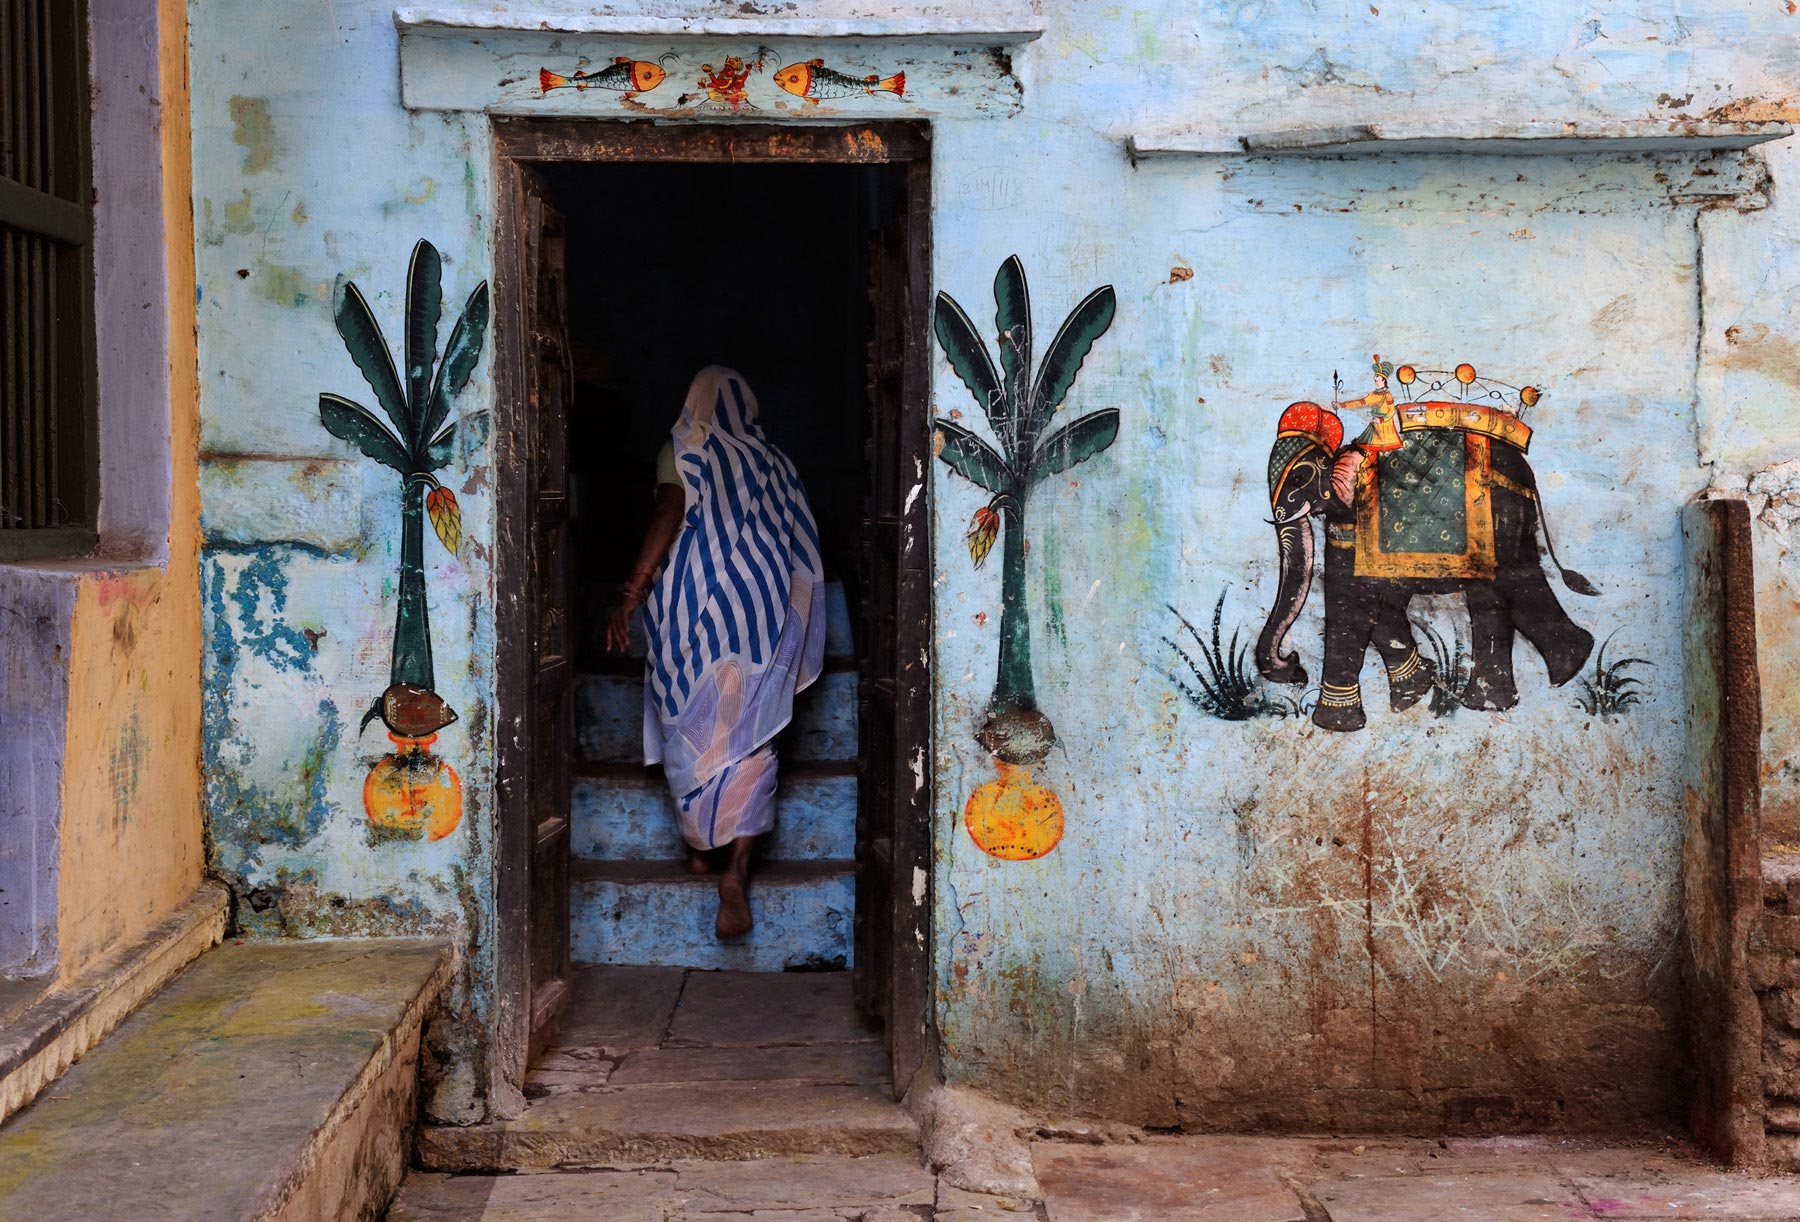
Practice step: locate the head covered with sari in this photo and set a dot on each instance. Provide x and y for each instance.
(736, 617)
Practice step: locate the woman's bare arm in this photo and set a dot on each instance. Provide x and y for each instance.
(665, 524)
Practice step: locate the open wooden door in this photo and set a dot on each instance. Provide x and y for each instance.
(893, 912)
(549, 716)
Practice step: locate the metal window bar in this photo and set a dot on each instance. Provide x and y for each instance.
(47, 437)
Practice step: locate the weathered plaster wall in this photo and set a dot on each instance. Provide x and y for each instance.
(102, 684)
(1463, 921)
(307, 171)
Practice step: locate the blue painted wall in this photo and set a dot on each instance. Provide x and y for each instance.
(1468, 920)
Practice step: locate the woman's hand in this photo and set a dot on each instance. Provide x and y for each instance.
(618, 625)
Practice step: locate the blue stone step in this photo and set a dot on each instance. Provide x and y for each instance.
(656, 913)
(609, 719)
(626, 814)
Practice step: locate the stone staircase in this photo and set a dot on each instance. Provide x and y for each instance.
(631, 901)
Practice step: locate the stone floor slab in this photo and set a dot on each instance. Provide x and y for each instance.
(1689, 1193)
(762, 1008)
(822, 1063)
(1499, 1196)
(805, 1182)
(623, 1195)
(1166, 1180)
(616, 1009)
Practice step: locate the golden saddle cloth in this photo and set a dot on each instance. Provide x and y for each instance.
(1426, 509)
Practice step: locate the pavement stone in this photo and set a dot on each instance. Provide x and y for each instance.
(1165, 1180)
(1688, 1194)
(1160, 1179)
(879, 1180)
(725, 1009)
(844, 1064)
(1498, 1196)
(615, 1009)
(618, 1196)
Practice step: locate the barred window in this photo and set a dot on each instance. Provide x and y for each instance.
(48, 458)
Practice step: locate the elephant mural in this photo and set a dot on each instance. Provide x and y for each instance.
(1435, 497)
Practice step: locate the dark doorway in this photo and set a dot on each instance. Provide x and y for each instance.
(796, 257)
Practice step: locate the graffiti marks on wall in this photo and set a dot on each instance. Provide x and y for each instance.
(411, 793)
(726, 86)
(1433, 497)
(1020, 406)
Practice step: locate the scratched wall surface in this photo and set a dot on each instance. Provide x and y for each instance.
(1458, 921)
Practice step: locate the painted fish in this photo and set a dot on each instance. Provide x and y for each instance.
(814, 81)
(626, 75)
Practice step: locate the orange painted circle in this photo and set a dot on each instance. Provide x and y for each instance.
(1407, 375)
(1465, 374)
(1014, 818)
(1529, 396)
(413, 793)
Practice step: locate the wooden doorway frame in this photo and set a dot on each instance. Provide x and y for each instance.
(519, 143)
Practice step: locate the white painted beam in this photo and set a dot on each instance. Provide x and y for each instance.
(998, 25)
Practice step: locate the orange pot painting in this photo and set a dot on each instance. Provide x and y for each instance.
(411, 794)
(1014, 818)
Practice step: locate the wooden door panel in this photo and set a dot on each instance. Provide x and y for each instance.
(549, 719)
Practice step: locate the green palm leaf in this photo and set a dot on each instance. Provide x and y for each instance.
(1012, 319)
(460, 356)
(969, 357)
(442, 449)
(1076, 441)
(424, 304)
(973, 459)
(368, 348)
(357, 425)
(1086, 323)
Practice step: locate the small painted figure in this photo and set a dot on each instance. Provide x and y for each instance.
(813, 81)
(1382, 435)
(625, 75)
(728, 84)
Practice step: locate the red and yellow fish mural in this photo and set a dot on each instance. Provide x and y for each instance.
(813, 81)
(624, 75)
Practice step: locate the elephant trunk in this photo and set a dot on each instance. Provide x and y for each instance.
(1295, 541)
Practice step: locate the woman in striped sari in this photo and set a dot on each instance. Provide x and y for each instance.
(734, 599)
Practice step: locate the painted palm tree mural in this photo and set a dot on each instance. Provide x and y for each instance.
(411, 792)
(1013, 818)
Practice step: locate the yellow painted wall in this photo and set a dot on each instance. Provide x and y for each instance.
(132, 828)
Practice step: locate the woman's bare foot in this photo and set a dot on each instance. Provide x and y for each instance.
(734, 919)
(697, 863)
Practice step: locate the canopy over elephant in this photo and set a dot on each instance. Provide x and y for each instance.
(1435, 498)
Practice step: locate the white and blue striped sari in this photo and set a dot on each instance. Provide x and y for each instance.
(736, 617)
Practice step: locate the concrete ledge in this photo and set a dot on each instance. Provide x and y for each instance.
(1496, 139)
(59, 1028)
(271, 1082)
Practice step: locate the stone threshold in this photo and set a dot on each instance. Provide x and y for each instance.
(52, 1032)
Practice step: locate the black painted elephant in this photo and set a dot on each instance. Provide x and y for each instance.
(1447, 505)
